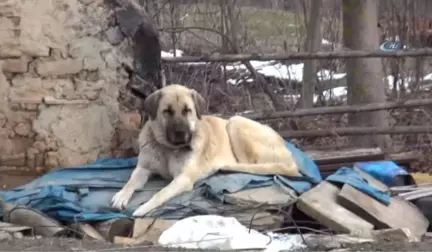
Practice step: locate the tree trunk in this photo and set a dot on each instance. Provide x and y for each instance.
(312, 44)
(364, 76)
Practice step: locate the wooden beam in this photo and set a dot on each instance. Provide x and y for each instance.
(353, 131)
(343, 54)
(339, 109)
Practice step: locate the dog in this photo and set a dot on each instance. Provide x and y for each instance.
(181, 144)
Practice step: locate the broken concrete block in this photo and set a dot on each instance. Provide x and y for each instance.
(398, 214)
(395, 234)
(320, 203)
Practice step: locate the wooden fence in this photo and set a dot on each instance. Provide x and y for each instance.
(346, 54)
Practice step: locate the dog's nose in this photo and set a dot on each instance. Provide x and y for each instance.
(180, 135)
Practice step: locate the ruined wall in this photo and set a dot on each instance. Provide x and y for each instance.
(59, 85)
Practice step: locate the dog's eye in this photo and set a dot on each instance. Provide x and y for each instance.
(168, 111)
(186, 111)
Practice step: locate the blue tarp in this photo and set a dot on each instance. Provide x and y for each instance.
(384, 171)
(84, 193)
(350, 176)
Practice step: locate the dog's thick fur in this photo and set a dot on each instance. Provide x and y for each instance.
(181, 144)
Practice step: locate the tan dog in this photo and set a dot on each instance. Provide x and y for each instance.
(182, 145)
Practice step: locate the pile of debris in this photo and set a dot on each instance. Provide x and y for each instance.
(366, 196)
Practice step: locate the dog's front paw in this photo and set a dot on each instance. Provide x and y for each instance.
(142, 210)
(121, 199)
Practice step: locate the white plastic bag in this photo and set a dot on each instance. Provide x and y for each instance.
(222, 233)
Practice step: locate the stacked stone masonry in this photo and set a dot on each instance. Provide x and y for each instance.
(61, 77)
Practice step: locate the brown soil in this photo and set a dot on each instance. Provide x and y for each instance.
(11, 181)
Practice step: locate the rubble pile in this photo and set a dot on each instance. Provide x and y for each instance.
(370, 198)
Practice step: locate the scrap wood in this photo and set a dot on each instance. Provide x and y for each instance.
(124, 240)
(346, 156)
(403, 189)
(122, 227)
(320, 203)
(149, 229)
(403, 157)
(422, 178)
(398, 214)
(87, 231)
(416, 194)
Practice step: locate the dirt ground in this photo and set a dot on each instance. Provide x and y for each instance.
(8, 181)
(83, 245)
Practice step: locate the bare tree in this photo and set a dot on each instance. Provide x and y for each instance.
(312, 44)
(364, 76)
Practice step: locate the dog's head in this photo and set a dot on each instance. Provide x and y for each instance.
(174, 112)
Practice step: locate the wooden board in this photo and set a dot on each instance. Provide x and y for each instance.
(399, 214)
(320, 203)
(148, 229)
(346, 156)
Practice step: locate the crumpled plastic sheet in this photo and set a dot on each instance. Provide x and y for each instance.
(224, 233)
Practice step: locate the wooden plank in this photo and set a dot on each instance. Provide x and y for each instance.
(87, 231)
(124, 240)
(320, 203)
(413, 195)
(346, 156)
(403, 157)
(149, 229)
(398, 214)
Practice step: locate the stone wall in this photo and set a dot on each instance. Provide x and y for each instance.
(60, 82)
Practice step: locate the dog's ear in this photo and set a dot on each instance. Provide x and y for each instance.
(199, 102)
(151, 104)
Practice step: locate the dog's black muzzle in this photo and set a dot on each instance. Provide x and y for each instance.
(179, 134)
